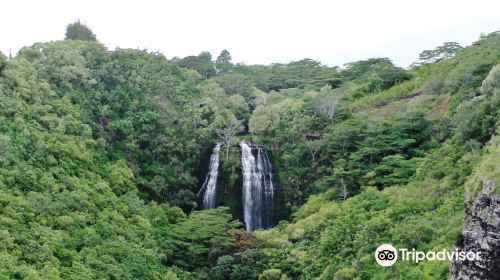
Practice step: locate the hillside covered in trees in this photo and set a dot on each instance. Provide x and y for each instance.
(103, 155)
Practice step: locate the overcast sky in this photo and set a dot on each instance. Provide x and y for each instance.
(255, 31)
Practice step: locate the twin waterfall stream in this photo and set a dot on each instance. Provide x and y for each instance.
(258, 189)
(210, 184)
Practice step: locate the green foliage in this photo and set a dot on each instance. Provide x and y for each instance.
(202, 63)
(341, 242)
(80, 130)
(478, 118)
(375, 74)
(240, 266)
(445, 51)
(272, 274)
(304, 74)
(391, 138)
(235, 84)
(3, 62)
(133, 101)
(345, 274)
(79, 31)
(202, 238)
(487, 170)
(102, 153)
(223, 62)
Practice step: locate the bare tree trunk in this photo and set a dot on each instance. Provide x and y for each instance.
(344, 189)
(344, 144)
(230, 129)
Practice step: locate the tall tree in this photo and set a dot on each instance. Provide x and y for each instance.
(328, 102)
(223, 62)
(202, 63)
(231, 128)
(3, 62)
(206, 65)
(445, 51)
(79, 31)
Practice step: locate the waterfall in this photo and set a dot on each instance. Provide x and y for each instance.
(258, 187)
(265, 168)
(210, 183)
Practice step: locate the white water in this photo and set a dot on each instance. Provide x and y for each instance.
(258, 189)
(265, 168)
(210, 183)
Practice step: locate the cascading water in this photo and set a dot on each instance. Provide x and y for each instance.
(265, 168)
(258, 187)
(210, 183)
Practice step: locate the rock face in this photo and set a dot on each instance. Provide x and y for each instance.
(481, 233)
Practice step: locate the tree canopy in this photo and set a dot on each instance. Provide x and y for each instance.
(79, 31)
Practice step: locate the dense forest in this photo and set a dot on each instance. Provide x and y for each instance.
(103, 154)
